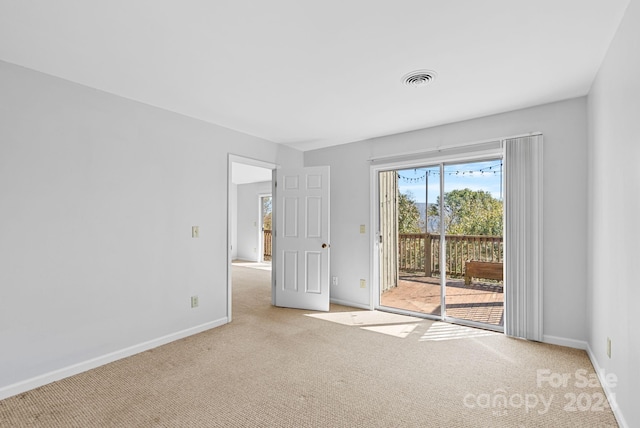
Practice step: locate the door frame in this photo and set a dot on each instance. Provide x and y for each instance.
(231, 159)
(465, 153)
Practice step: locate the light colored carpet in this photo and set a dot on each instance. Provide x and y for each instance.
(275, 367)
(254, 265)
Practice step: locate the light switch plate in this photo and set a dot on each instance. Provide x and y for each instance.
(195, 231)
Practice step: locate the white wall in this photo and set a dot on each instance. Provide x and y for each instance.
(249, 227)
(565, 191)
(614, 207)
(98, 196)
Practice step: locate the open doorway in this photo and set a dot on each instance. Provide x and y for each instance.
(441, 251)
(249, 212)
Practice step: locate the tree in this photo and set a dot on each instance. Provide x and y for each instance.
(266, 212)
(469, 212)
(408, 214)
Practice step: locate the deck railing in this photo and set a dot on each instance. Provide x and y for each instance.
(266, 244)
(414, 257)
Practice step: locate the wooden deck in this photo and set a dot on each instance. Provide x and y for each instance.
(478, 302)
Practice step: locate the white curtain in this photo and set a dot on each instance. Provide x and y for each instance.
(523, 237)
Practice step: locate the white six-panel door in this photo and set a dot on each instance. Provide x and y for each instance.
(301, 242)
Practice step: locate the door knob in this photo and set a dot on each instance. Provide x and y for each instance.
(325, 245)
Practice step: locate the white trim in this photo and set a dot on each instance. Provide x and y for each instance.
(563, 341)
(443, 246)
(251, 161)
(274, 221)
(374, 234)
(350, 304)
(583, 345)
(430, 153)
(74, 369)
(488, 149)
(611, 396)
(434, 157)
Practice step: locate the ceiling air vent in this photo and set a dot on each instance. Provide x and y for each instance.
(419, 78)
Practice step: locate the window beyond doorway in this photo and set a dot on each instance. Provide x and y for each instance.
(266, 226)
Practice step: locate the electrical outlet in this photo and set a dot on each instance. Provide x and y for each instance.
(362, 228)
(334, 280)
(608, 347)
(194, 301)
(363, 283)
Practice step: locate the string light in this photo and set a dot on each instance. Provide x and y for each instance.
(428, 173)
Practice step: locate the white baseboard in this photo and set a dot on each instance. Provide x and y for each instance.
(563, 341)
(579, 344)
(35, 382)
(350, 304)
(611, 396)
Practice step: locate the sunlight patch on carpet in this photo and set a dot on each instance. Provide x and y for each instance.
(446, 331)
(365, 318)
(396, 330)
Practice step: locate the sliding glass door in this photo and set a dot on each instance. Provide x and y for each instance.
(441, 241)
(409, 276)
(472, 213)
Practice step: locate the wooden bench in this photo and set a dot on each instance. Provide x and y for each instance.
(486, 270)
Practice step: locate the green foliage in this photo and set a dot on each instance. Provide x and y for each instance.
(408, 214)
(266, 212)
(469, 212)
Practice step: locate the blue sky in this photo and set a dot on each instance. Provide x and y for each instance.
(486, 175)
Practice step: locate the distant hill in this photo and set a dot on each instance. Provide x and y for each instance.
(421, 208)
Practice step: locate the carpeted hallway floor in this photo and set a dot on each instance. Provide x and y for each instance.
(274, 367)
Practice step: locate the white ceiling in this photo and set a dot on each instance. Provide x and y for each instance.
(316, 73)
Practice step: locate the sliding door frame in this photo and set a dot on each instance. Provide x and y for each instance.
(493, 149)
